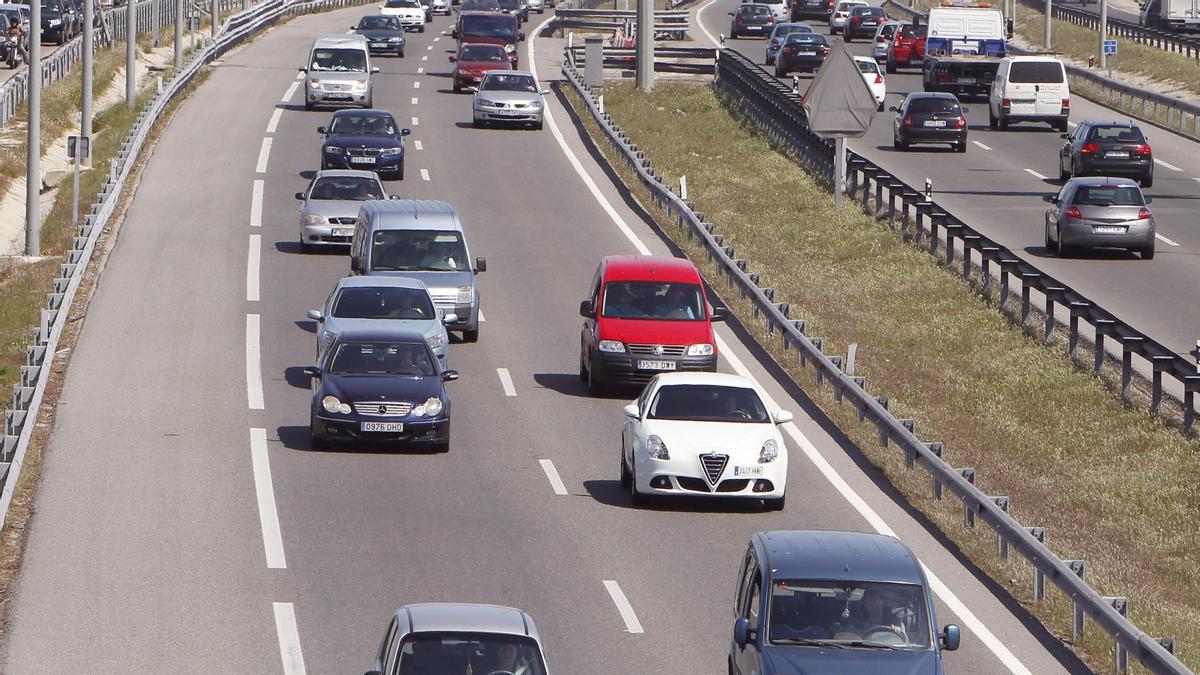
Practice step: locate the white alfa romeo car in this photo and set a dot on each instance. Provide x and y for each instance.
(703, 434)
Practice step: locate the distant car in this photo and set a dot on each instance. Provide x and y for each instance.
(441, 7)
(907, 47)
(778, 7)
(874, 79)
(883, 39)
(380, 387)
(411, 13)
(437, 638)
(782, 30)
(364, 139)
(473, 61)
(329, 206)
(930, 117)
(705, 435)
(803, 9)
(751, 19)
(58, 21)
(490, 28)
(382, 303)
(837, 19)
(538, 6)
(512, 97)
(1107, 149)
(428, 5)
(862, 22)
(801, 52)
(1099, 212)
(515, 8)
(481, 6)
(385, 34)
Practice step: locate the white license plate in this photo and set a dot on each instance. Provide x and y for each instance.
(378, 45)
(1109, 229)
(747, 472)
(343, 231)
(1117, 155)
(807, 53)
(510, 113)
(965, 80)
(362, 160)
(393, 427)
(656, 365)
(868, 23)
(935, 123)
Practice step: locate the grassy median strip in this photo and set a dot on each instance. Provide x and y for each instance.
(1112, 485)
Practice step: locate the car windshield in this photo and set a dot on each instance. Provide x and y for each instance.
(707, 403)
(349, 188)
(474, 652)
(867, 67)
(1117, 134)
(887, 30)
(419, 251)
(379, 23)
(1109, 195)
(781, 31)
(911, 31)
(806, 38)
(1036, 72)
(364, 125)
(847, 6)
(499, 25)
(509, 82)
(853, 613)
(479, 6)
(509, 4)
(339, 60)
(932, 105)
(873, 12)
(653, 300)
(755, 9)
(386, 302)
(482, 53)
(378, 358)
(397, 4)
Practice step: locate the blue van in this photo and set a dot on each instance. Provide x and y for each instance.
(812, 602)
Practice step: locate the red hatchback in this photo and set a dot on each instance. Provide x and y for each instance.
(473, 60)
(908, 47)
(645, 315)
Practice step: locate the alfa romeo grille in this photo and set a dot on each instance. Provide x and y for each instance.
(714, 465)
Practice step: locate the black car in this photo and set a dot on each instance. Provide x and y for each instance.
(516, 8)
(930, 117)
(809, 8)
(1107, 149)
(380, 387)
(751, 19)
(385, 34)
(428, 5)
(801, 52)
(58, 21)
(364, 139)
(862, 22)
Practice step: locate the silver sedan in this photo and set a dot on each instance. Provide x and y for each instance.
(329, 206)
(511, 97)
(1099, 212)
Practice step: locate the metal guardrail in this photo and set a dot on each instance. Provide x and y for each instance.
(699, 60)
(773, 105)
(1154, 37)
(672, 23)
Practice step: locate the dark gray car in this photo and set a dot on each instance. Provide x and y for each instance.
(1099, 212)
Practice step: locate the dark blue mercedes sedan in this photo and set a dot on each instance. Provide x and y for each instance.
(380, 387)
(364, 139)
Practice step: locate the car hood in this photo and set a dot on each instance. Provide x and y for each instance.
(655, 332)
(483, 65)
(379, 33)
(363, 141)
(819, 661)
(434, 281)
(710, 436)
(426, 327)
(403, 11)
(351, 388)
(510, 97)
(332, 208)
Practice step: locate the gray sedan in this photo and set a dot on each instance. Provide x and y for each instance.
(370, 303)
(458, 638)
(330, 206)
(510, 97)
(1100, 212)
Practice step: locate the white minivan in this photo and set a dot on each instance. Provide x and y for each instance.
(1030, 89)
(338, 72)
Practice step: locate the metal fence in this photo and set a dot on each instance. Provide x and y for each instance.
(697, 60)
(669, 23)
(775, 107)
(1153, 37)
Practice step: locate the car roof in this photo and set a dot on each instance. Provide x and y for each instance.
(1110, 123)
(833, 555)
(509, 72)
(325, 40)
(377, 281)
(932, 94)
(649, 268)
(370, 112)
(413, 214)
(467, 617)
(698, 378)
(1094, 181)
(381, 334)
(1034, 58)
(346, 173)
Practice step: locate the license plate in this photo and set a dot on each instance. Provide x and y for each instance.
(747, 471)
(656, 365)
(1110, 229)
(965, 80)
(935, 123)
(362, 160)
(808, 53)
(1117, 155)
(343, 231)
(378, 45)
(868, 23)
(339, 97)
(393, 427)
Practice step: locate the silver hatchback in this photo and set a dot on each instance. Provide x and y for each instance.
(329, 206)
(510, 96)
(1099, 212)
(460, 638)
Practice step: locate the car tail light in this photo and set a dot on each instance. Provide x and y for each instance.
(1066, 103)
(771, 19)
(1144, 214)
(829, 6)
(855, 19)
(878, 79)
(1005, 102)
(961, 122)
(1142, 149)
(824, 51)
(1089, 148)
(908, 120)
(737, 19)
(1072, 212)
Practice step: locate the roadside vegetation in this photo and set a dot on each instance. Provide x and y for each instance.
(1112, 485)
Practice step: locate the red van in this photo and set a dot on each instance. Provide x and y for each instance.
(645, 315)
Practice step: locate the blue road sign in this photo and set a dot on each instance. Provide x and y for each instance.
(1110, 46)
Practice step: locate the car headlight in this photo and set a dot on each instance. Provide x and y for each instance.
(465, 295)
(535, 104)
(314, 83)
(396, 39)
(704, 349)
(314, 219)
(612, 346)
(333, 149)
(770, 450)
(55, 22)
(327, 336)
(486, 103)
(656, 448)
(436, 341)
(334, 405)
(391, 152)
(358, 86)
(510, 49)
(432, 407)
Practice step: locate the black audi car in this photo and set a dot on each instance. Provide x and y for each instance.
(800, 52)
(364, 139)
(1107, 149)
(385, 34)
(377, 386)
(930, 117)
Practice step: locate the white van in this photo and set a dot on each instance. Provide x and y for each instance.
(338, 72)
(1030, 89)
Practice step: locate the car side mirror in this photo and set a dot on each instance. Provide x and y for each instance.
(374, 69)
(453, 58)
(543, 92)
(454, 34)
(1149, 199)
(720, 314)
(893, 108)
(521, 36)
(449, 375)
(1008, 29)
(471, 90)
(950, 637)
(353, 27)
(783, 417)
(312, 371)
(393, 196)
(450, 318)
(741, 631)
(300, 196)
(587, 309)
(631, 410)
(322, 130)
(1064, 135)
(302, 69)
(405, 132)
(480, 265)
(1049, 199)
(315, 314)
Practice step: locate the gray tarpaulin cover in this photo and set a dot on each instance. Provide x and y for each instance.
(838, 102)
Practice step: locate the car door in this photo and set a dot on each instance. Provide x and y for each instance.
(633, 429)
(748, 659)
(1052, 213)
(1066, 155)
(587, 338)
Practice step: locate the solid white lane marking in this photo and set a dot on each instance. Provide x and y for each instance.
(1164, 165)
(252, 265)
(981, 145)
(292, 89)
(254, 389)
(417, 145)
(256, 199)
(415, 121)
(414, 100)
(289, 639)
(552, 476)
(1166, 241)
(264, 489)
(425, 174)
(703, 28)
(417, 84)
(481, 319)
(1035, 174)
(618, 597)
(274, 123)
(506, 382)
(264, 153)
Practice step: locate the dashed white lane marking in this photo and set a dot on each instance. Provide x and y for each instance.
(1035, 174)
(1170, 167)
(415, 121)
(552, 476)
(414, 100)
(425, 174)
(264, 489)
(256, 199)
(1164, 240)
(292, 90)
(506, 382)
(417, 145)
(436, 39)
(289, 639)
(274, 123)
(420, 70)
(429, 48)
(254, 389)
(981, 145)
(618, 597)
(299, 76)
(417, 84)
(424, 58)
(264, 153)
(252, 265)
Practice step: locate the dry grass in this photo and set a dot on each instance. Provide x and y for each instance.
(1112, 485)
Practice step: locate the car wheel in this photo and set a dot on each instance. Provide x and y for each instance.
(370, 103)
(442, 446)
(400, 53)
(1003, 124)
(308, 106)
(635, 497)
(626, 476)
(583, 373)
(1051, 245)
(891, 66)
(848, 38)
(478, 123)
(457, 88)
(1148, 252)
(537, 126)
(595, 385)
(1064, 251)
(421, 29)
(880, 108)
(1063, 174)
(305, 247)
(400, 171)
(780, 72)
(1061, 126)
(316, 440)
(471, 335)
(776, 504)
(1147, 180)
(992, 121)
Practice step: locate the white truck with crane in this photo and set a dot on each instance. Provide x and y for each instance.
(963, 49)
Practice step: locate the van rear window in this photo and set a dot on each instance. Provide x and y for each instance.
(1036, 72)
